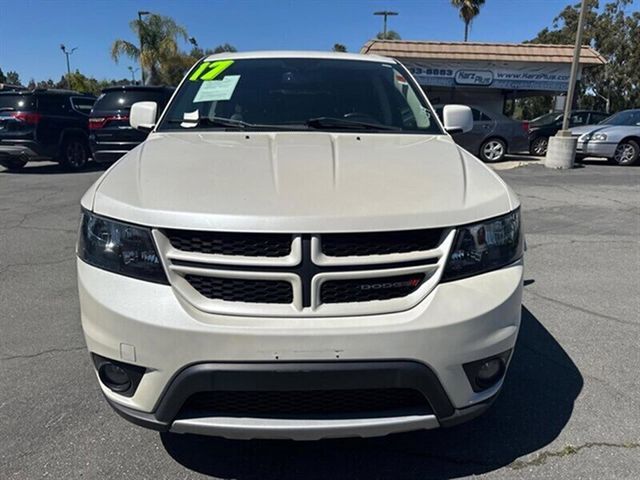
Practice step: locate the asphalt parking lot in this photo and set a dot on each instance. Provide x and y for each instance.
(570, 407)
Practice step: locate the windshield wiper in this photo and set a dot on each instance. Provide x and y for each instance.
(227, 123)
(212, 122)
(343, 123)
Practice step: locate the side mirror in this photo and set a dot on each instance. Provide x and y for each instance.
(457, 118)
(143, 115)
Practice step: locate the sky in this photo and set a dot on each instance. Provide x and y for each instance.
(31, 31)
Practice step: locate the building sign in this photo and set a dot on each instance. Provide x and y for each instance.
(507, 76)
(483, 78)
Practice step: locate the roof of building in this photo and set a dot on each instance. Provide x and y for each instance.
(505, 52)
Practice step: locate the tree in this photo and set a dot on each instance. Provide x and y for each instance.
(13, 78)
(159, 36)
(3, 79)
(338, 47)
(225, 47)
(174, 68)
(469, 9)
(390, 35)
(615, 34)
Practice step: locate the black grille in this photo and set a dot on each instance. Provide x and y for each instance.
(380, 243)
(368, 289)
(308, 403)
(241, 290)
(223, 243)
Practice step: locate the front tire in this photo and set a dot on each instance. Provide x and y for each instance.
(539, 146)
(13, 164)
(74, 154)
(627, 153)
(493, 150)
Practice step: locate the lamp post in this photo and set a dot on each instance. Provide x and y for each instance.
(140, 15)
(133, 74)
(561, 152)
(68, 53)
(385, 14)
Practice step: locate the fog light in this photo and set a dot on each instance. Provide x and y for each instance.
(489, 372)
(486, 372)
(114, 377)
(122, 378)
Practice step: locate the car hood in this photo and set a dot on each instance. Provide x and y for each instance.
(299, 182)
(618, 131)
(591, 129)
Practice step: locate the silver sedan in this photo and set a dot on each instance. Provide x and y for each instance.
(617, 138)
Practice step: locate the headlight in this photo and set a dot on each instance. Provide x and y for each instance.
(599, 137)
(485, 246)
(119, 248)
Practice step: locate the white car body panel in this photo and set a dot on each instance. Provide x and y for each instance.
(300, 182)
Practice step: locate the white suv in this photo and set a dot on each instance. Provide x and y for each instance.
(300, 250)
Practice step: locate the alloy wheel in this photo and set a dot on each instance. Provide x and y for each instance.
(75, 154)
(625, 154)
(540, 146)
(493, 150)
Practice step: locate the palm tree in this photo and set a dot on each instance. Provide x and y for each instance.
(390, 35)
(469, 9)
(159, 36)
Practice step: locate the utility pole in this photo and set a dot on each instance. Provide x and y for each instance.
(385, 14)
(140, 14)
(561, 152)
(68, 53)
(574, 67)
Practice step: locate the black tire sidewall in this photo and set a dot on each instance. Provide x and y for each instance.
(493, 139)
(64, 161)
(13, 165)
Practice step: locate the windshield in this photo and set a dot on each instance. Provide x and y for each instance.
(628, 117)
(299, 93)
(546, 119)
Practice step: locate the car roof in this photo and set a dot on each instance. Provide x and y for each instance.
(138, 88)
(299, 54)
(50, 91)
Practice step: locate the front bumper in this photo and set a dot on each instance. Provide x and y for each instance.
(146, 324)
(596, 149)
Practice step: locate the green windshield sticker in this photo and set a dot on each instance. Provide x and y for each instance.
(210, 70)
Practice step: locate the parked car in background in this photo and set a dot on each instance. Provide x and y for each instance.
(111, 136)
(617, 138)
(44, 124)
(547, 125)
(493, 135)
(7, 87)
